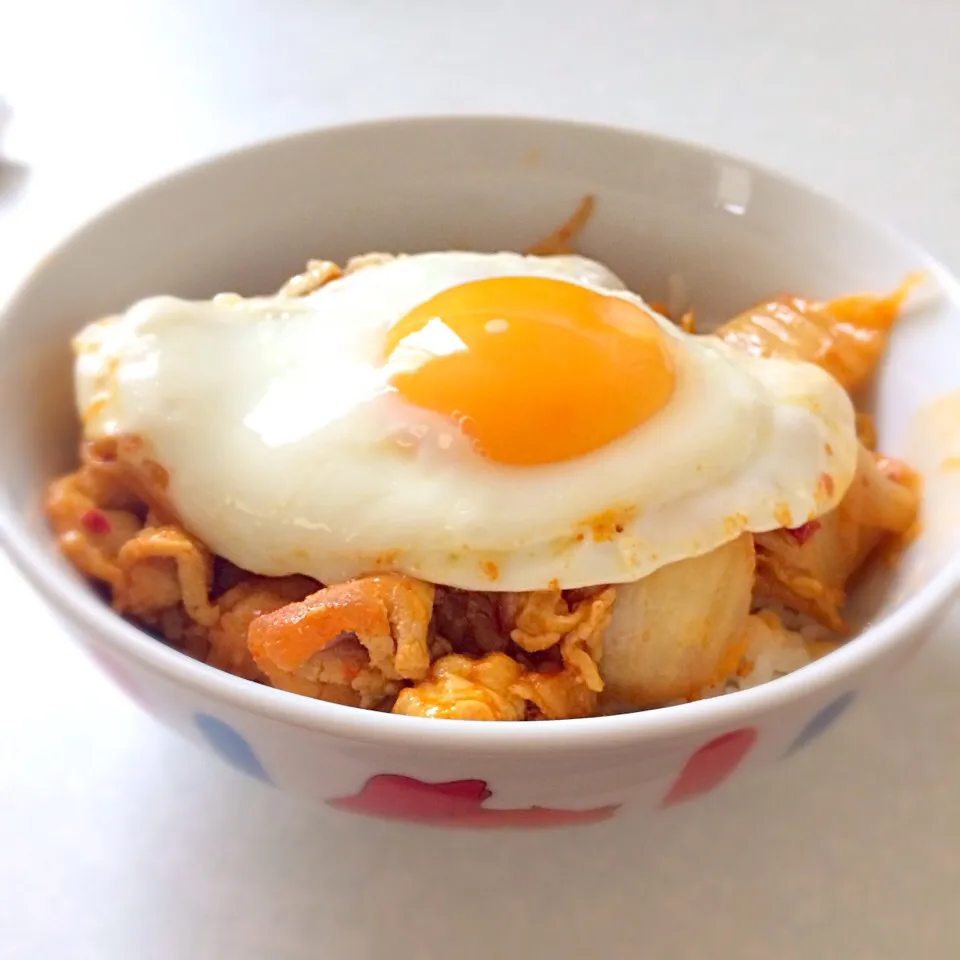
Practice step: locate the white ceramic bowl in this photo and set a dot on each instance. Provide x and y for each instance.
(667, 213)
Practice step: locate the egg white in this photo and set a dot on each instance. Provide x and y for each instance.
(287, 451)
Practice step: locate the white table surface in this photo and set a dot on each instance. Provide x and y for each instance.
(118, 841)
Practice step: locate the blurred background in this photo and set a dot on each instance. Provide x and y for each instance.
(119, 841)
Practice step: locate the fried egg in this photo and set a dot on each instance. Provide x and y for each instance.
(485, 421)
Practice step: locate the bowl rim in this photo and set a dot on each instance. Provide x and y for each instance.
(68, 595)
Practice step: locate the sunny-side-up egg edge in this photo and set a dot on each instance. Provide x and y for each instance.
(287, 452)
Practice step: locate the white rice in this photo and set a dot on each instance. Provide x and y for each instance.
(779, 641)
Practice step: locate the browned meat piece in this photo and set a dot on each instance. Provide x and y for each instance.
(239, 607)
(367, 635)
(575, 620)
(469, 621)
(124, 462)
(89, 536)
(163, 567)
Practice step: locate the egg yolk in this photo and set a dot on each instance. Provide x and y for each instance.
(533, 370)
